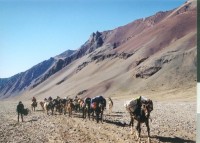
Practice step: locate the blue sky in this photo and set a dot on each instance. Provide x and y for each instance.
(32, 31)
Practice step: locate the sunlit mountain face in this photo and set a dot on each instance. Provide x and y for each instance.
(152, 53)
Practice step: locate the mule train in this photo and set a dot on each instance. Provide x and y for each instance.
(89, 107)
(139, 109)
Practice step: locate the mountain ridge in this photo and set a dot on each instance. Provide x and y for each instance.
(136, 44)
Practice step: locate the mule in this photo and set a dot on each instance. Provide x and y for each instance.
(42, 105)
(141, 115)
(33, 105)
(63, 103)
(86, 107)
(98, 107)
(57, 105)
(48, 105)
(76, 104)
(69, 107)
(110, 105)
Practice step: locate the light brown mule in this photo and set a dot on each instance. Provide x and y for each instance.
(110, 105)
(42, 105)
(69, 107)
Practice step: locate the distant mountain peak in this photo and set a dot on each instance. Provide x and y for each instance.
(139, 51)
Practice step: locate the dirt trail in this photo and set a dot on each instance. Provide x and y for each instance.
(171, 122)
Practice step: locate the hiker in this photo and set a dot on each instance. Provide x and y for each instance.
(34, 99)
(20, 110)
(50, 98)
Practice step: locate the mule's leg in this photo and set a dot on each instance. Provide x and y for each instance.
(131, 118)
(131, 124)
(60, 110)
(88, 111)
(22, 117)
(69, 110)
(92, 115)
(101, 116)
(52, 111)
(84, 112)
(97, 115)
(18, 117)
(138, 128)
(64, 110)
(148, 130)
(110, 109)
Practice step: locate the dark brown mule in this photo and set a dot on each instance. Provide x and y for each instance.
(142, 115)
(98, 110)
(48, 105)
(86, 107)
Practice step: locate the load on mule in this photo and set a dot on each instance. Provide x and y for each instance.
(139, 110)
(63, 103)
(58, 104)
(86, 107)
(76, 104)
(48, 105)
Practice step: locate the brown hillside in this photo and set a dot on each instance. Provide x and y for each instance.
(157, 53)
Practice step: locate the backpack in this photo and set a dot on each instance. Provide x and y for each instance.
(26, 111)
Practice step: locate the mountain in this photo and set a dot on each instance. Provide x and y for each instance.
(148, 54)
(18, 83)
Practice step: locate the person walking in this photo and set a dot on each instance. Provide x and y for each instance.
(20, 109)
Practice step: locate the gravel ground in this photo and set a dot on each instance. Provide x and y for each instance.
(171, 122)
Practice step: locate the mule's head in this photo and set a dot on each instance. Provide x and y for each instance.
(102, 105)
(150, 105)
(145, 109)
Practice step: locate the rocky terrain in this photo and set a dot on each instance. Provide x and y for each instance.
(172, 121)
(154, 57)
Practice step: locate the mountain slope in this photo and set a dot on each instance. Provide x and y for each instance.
(18, 83)
(155, 53)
